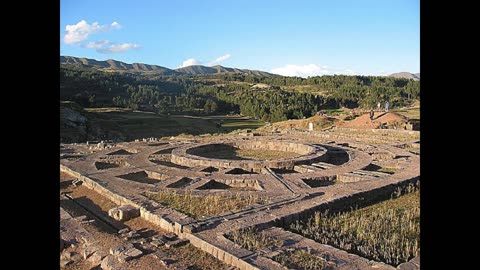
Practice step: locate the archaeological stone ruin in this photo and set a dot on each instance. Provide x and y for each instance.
(332, 169)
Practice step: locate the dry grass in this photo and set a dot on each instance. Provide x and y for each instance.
(210, 205)
(264, 154)
(301, 260)
(388, 231)
(107, 110)
(410, 113)
(320, 122)
(253, 240)
(249, 154)
(196, 258)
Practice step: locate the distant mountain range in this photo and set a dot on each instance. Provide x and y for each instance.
(193, 70)
(115, 65)
(406, 75)
(198, 69)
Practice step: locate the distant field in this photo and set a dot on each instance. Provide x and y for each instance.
(312, 89)
(410, 113)
(228, 123)
(334, 112)
(242, 124)
(107, 109)
(130, 125)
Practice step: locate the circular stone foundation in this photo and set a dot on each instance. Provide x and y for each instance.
(192, 155)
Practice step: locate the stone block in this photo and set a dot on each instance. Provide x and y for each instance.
(170, 236)
(407, 266)
(119, 249)
(131, 235)
(228, 258)
(124, 212)
(159, 255)
(177, 243)
(129, 254)
(66, 255)
(157, 243)
(96, 258)
(64, 263)
(416, 261)
(124, 230)
(110, 263)
(166, 261)
(88, 251)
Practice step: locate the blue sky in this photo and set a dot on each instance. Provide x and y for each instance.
(301, 37)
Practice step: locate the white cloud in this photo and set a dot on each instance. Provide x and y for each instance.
(107, 47)
(193, 61)
(189, 62)
(220, 59)
(301, 71)
(76, 33)
(310, 70)
(97, 44)
(115, 25)
(118, 48)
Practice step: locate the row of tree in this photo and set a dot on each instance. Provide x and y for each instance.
(231, 93)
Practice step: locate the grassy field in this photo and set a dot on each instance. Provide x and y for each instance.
(413, 112)
(124, 124)
(106, 110)
(241, 124)
(198, 206)
(410, 113)
(388, 231)
(334, 112)
(312, 89)
(301, 260)
(248, 154)
(254, 240)
(264, 154)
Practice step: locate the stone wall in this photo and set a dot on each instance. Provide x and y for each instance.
(191, 156)
(220, 254)
(120, 200)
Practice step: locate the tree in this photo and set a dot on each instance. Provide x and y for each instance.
(92, 101)
(210, 106)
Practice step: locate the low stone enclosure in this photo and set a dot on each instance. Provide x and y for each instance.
(191, 155)
(333, 170)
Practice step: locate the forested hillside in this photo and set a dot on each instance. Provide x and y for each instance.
(269, 98)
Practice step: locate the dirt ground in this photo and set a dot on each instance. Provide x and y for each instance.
(106, 236)
(319, 121)
(364, 121)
